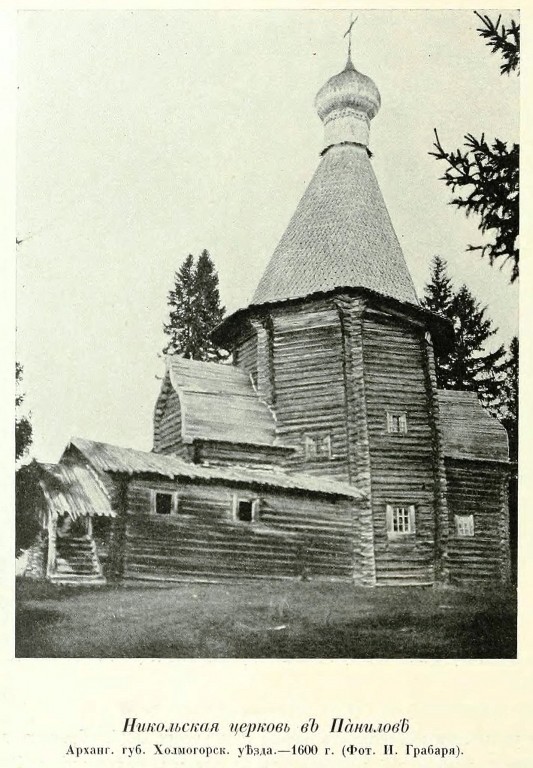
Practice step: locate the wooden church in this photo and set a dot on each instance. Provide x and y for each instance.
(325, 450)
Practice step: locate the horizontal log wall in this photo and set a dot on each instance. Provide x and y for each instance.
(478, 489)
(309, 385)
(402, 465)
(229, 454)
(245, 355)
(293, 536)
(169, 438)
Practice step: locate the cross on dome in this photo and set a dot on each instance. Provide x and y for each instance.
(347, 103)
(349, 34)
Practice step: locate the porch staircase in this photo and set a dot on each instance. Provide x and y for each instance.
(77, 562)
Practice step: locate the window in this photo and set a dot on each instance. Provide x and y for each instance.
(400, 520)
(397, 423)
(311, 450)
(318, 447)
(245, 509)
(325, 447)
(464, 525)
(164, 503)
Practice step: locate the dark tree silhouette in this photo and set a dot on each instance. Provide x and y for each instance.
(485, 174)
(23, 427)
(469, 365)
(29, 501)
(510, 397)
(195, 309)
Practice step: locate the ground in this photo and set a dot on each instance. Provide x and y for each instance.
(264, 619)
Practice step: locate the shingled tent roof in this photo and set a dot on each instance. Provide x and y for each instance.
(104, 457)
(340, 236)
(468, 430)
(218, 402)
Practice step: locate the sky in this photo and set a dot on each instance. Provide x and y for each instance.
(143, 136)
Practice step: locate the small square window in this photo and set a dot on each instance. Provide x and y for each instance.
(400, 520)
(246, 510)
(164, 503)
(464, 525)
(397, 423)
(318, 447)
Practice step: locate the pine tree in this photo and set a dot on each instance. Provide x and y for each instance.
(180, 328)
(471, 367)
(208, 310)
(510, 397)
(486, 174)
(195, 310)
(438, 298)
(439, 291)
(468, 365)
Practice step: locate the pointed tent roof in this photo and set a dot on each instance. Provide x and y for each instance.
(340, 236)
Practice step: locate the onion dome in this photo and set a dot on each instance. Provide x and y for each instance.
(346, 104)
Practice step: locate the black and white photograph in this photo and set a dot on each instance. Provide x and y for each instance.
(267, 273)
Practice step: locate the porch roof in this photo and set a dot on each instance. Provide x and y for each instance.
(74, 491)
(113, 458)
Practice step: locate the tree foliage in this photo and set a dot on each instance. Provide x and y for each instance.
(503, 40)
(194, 310)
(470, 364)
(29, 501)
(510, 397)
(23, 427)
(485, 174)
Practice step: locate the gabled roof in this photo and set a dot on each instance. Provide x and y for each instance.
(468, 430)
(340, 236)
(218, 402)
(104, 457)
(73, 490)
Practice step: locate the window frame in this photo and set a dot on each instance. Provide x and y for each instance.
(399, 419)
(318, 447)
(153, 503)
(464, 526)
(310, 448)
(408, 512)
(253, 500)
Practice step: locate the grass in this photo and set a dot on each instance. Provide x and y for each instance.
(271, 619)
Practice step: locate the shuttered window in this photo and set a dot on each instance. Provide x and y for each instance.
(311, 448)
(396, 423)
(318, 447)
(464, 525)
(401, 520)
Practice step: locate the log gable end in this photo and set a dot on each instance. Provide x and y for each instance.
(168, 436)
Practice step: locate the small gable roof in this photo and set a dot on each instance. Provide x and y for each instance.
(104, 457)
(218, 402)
(468, 430)
(73, 490)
